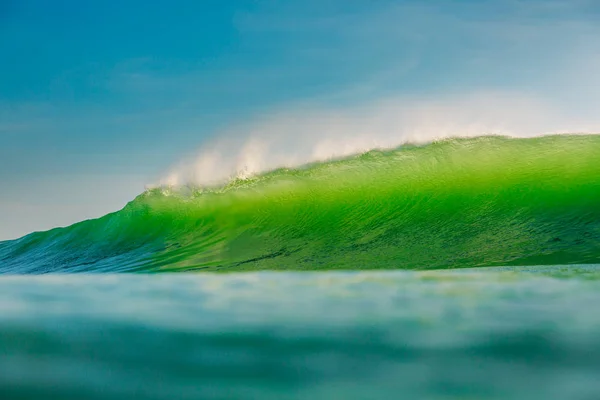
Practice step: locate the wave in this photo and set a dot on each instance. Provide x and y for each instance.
(485, 201)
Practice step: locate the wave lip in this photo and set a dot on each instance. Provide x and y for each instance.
(485, 201)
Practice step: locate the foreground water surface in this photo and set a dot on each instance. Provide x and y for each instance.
(519, 333)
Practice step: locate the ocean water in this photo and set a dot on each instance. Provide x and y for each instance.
(525, 333)
(488, 201)
(462, 269)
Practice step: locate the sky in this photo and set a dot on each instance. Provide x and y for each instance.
(99, 99)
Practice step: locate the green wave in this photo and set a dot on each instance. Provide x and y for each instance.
(487, 201)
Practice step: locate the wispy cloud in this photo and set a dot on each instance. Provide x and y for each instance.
(426, 71)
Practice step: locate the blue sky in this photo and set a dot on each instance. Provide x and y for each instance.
(99, 98)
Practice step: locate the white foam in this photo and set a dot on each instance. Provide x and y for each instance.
(305, 134)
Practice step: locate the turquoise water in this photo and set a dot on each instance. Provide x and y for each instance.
(492, 252)
(508, 333)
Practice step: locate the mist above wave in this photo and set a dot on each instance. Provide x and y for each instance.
(307, 134)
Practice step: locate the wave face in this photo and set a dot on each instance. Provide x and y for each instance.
(457, 203)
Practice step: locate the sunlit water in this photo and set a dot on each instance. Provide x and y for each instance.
(529, 333)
